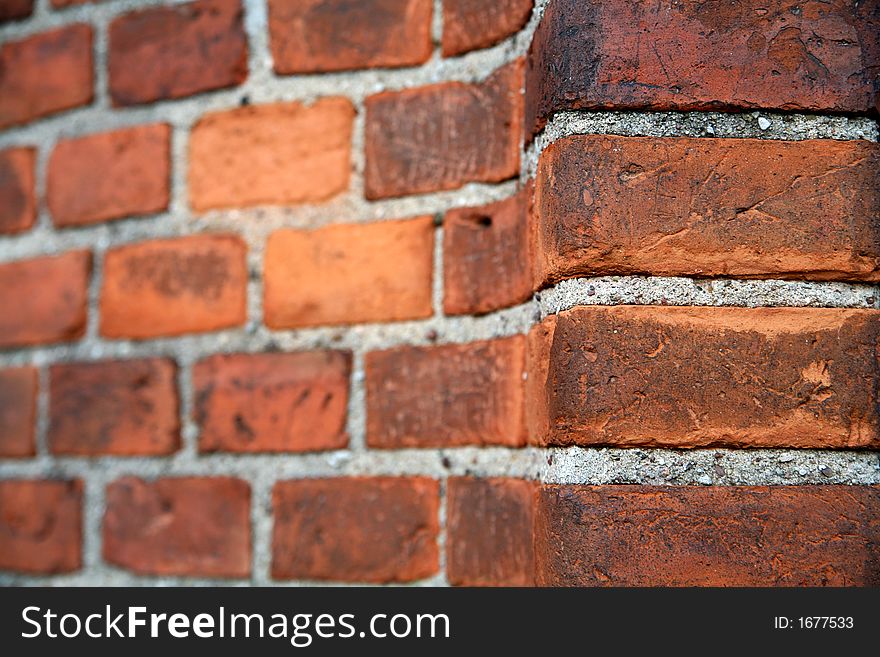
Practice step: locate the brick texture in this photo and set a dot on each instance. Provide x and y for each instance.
(111, 175)
(349, 273)
(715, 536)
(18, 205)
(274, 402)
(781, 54)
(49, 295)
(473, 24)
(194, 526)
(487, 256)
(279, 154)
(18, 411)
(694, 377)
(11, 10)
(380, 529)
(174, 286)
(40, 526)
(317, 36)
(423, 140)
(708, 207)
(446, 396)
(173, 52)
(489, 532)
(119, 408)
(45, 73)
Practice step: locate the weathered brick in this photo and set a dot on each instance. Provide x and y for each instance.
(423, 140)
(708, 536)
(487, 256)
(708, 207)
(40, 526)
(317, 36)
(473, 24)
(350, 273)
(449, 395)
(173, 52)
(190, 526)
(379, 529)
(273, 402)
(111, 175)
(690, 377)
(775, 54)
(490, 530)
(45, 73)
(12, 10)
(49, 295)
(174, 286)
(118, 407)
(18, 411)
(18, 206)
(279, 154)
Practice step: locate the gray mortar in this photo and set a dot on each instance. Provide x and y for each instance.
(575, 465)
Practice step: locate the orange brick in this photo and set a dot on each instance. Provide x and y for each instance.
(18, 411)
(18, 206)
(472, 24)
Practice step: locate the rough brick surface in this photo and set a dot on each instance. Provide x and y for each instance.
(780, 54)
(45, 73)
(349, 273)
(719, 207)
(717, 536)
(119, 407)
(194, 526)
(273, 402)
(18, 411)
(18, 206)
(487, 256)
(284, 153)
(49, 295)
(174, 286)
(424, 139)
(472, 24)
(172, 52)
(317, 36)
(40, 526)
(11, 10)
(691, 377)
(489, 532)
(448, 395)
(381, 529)
(109, 175)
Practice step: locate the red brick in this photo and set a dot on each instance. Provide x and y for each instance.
(317, 36)
(45, 73)
(110, 175)
(273, 402)
(40, 526)
(18, 206)
(118, 407)
(487, 256)
(775, 54)
(424, 140)
(279, 154)
(190, 526)
(49, 295)
(63, 4)
(490, 530)
(445, 396)
(343, 274)
(11, 10)
(694, 377)
(172, 52)
(174, 286)
(473, 24)
(381, 529)
(18, 411)
(708, 536)
(708, 207)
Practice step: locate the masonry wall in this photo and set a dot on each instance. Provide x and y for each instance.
(439, 292)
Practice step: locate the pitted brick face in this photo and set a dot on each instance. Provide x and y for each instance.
(18, 205)
(18, 411)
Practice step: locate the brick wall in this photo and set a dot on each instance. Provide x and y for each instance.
(439, 291)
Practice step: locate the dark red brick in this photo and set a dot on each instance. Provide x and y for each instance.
(12, 10)
(18, 205)
(18, 411)
(472, 24)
